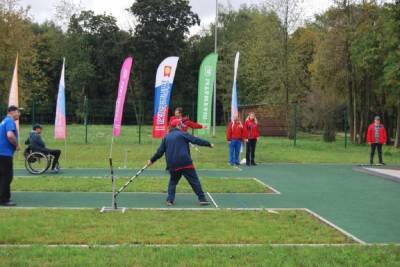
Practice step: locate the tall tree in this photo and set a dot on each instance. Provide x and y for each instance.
(289, 12)
(161, 29)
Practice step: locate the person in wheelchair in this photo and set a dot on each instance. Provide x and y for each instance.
(37, 144)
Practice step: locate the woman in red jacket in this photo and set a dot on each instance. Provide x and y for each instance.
(251, 136)
(234, 136)
(376, 137)
(186, 123)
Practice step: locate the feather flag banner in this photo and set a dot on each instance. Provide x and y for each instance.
(207, 76)
(60, 127)
(164, 81)
(234, 103)
(122, 88)
(13, 96)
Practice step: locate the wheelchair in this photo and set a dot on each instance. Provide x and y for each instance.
(37, 162)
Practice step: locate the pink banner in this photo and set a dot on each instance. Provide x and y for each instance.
(123, 86)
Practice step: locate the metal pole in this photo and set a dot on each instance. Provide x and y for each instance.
(193, 115)
(33, 112)
(295, 124)
(345, 128)
(215, 82)
(86, 119)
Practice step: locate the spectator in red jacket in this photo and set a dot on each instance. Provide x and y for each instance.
(234, 136)
(186, 123)
(251, 136)
(376, 137)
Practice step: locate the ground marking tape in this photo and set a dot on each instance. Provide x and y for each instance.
(268, 186)
(212, 199)
(335, 226)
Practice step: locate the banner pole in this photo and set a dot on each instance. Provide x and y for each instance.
(215, 81)
(65, 149)
(113, 203)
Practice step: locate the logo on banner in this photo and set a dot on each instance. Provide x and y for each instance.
(208, 70)
(167, 71)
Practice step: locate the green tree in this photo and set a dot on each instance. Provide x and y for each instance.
(160, 32)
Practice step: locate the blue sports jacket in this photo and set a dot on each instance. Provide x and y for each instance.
(175, 145)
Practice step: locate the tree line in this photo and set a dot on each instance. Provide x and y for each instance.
(341, 66)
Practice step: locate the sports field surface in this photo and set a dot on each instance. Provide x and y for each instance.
(307, 213)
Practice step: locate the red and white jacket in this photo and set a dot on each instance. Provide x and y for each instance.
(371, 134)
(186, 124)
(235, 130)
(251, 130)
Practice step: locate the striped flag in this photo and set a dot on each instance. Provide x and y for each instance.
(60, 129)
(13, 97)
(234, 103)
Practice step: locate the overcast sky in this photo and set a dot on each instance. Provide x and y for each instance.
(42, 10)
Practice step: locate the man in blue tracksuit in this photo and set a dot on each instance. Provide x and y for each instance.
(175, 145)
(8, 146)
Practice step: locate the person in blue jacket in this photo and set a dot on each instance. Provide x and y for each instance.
(8, 146)
(175, 146)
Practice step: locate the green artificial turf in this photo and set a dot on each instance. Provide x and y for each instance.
(46, 226)
(142, 184)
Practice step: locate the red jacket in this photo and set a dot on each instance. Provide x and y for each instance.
(186, 124)
(251, 130)
(371, 134)
(235, 130)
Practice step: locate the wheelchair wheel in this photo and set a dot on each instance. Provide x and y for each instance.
(37, 163)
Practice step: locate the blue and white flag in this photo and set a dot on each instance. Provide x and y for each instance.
(234, 103)
(164, 81)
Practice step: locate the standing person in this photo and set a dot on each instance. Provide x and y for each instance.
(185, 121)
(234, 136)
(251, 136)
(37, 145)
(376, 137)
(8, 146)
(175, 146)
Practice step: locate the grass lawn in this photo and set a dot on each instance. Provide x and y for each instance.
(309, 149)
(47, 226)
(141, 184)
(205, 256)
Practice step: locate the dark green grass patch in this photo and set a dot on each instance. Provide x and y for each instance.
(205, 256)
(142, 184)
(46, 226)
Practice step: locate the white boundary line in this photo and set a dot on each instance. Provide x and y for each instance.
(267, 186)
(335, 226)
(212, 199)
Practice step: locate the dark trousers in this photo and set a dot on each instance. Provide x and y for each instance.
(55, 152)
(191, 177)
(6, 177)
(373, 148)
(250, 150)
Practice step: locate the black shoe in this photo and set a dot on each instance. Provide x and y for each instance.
(253, 164)
(8, 204)
(204, 202)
